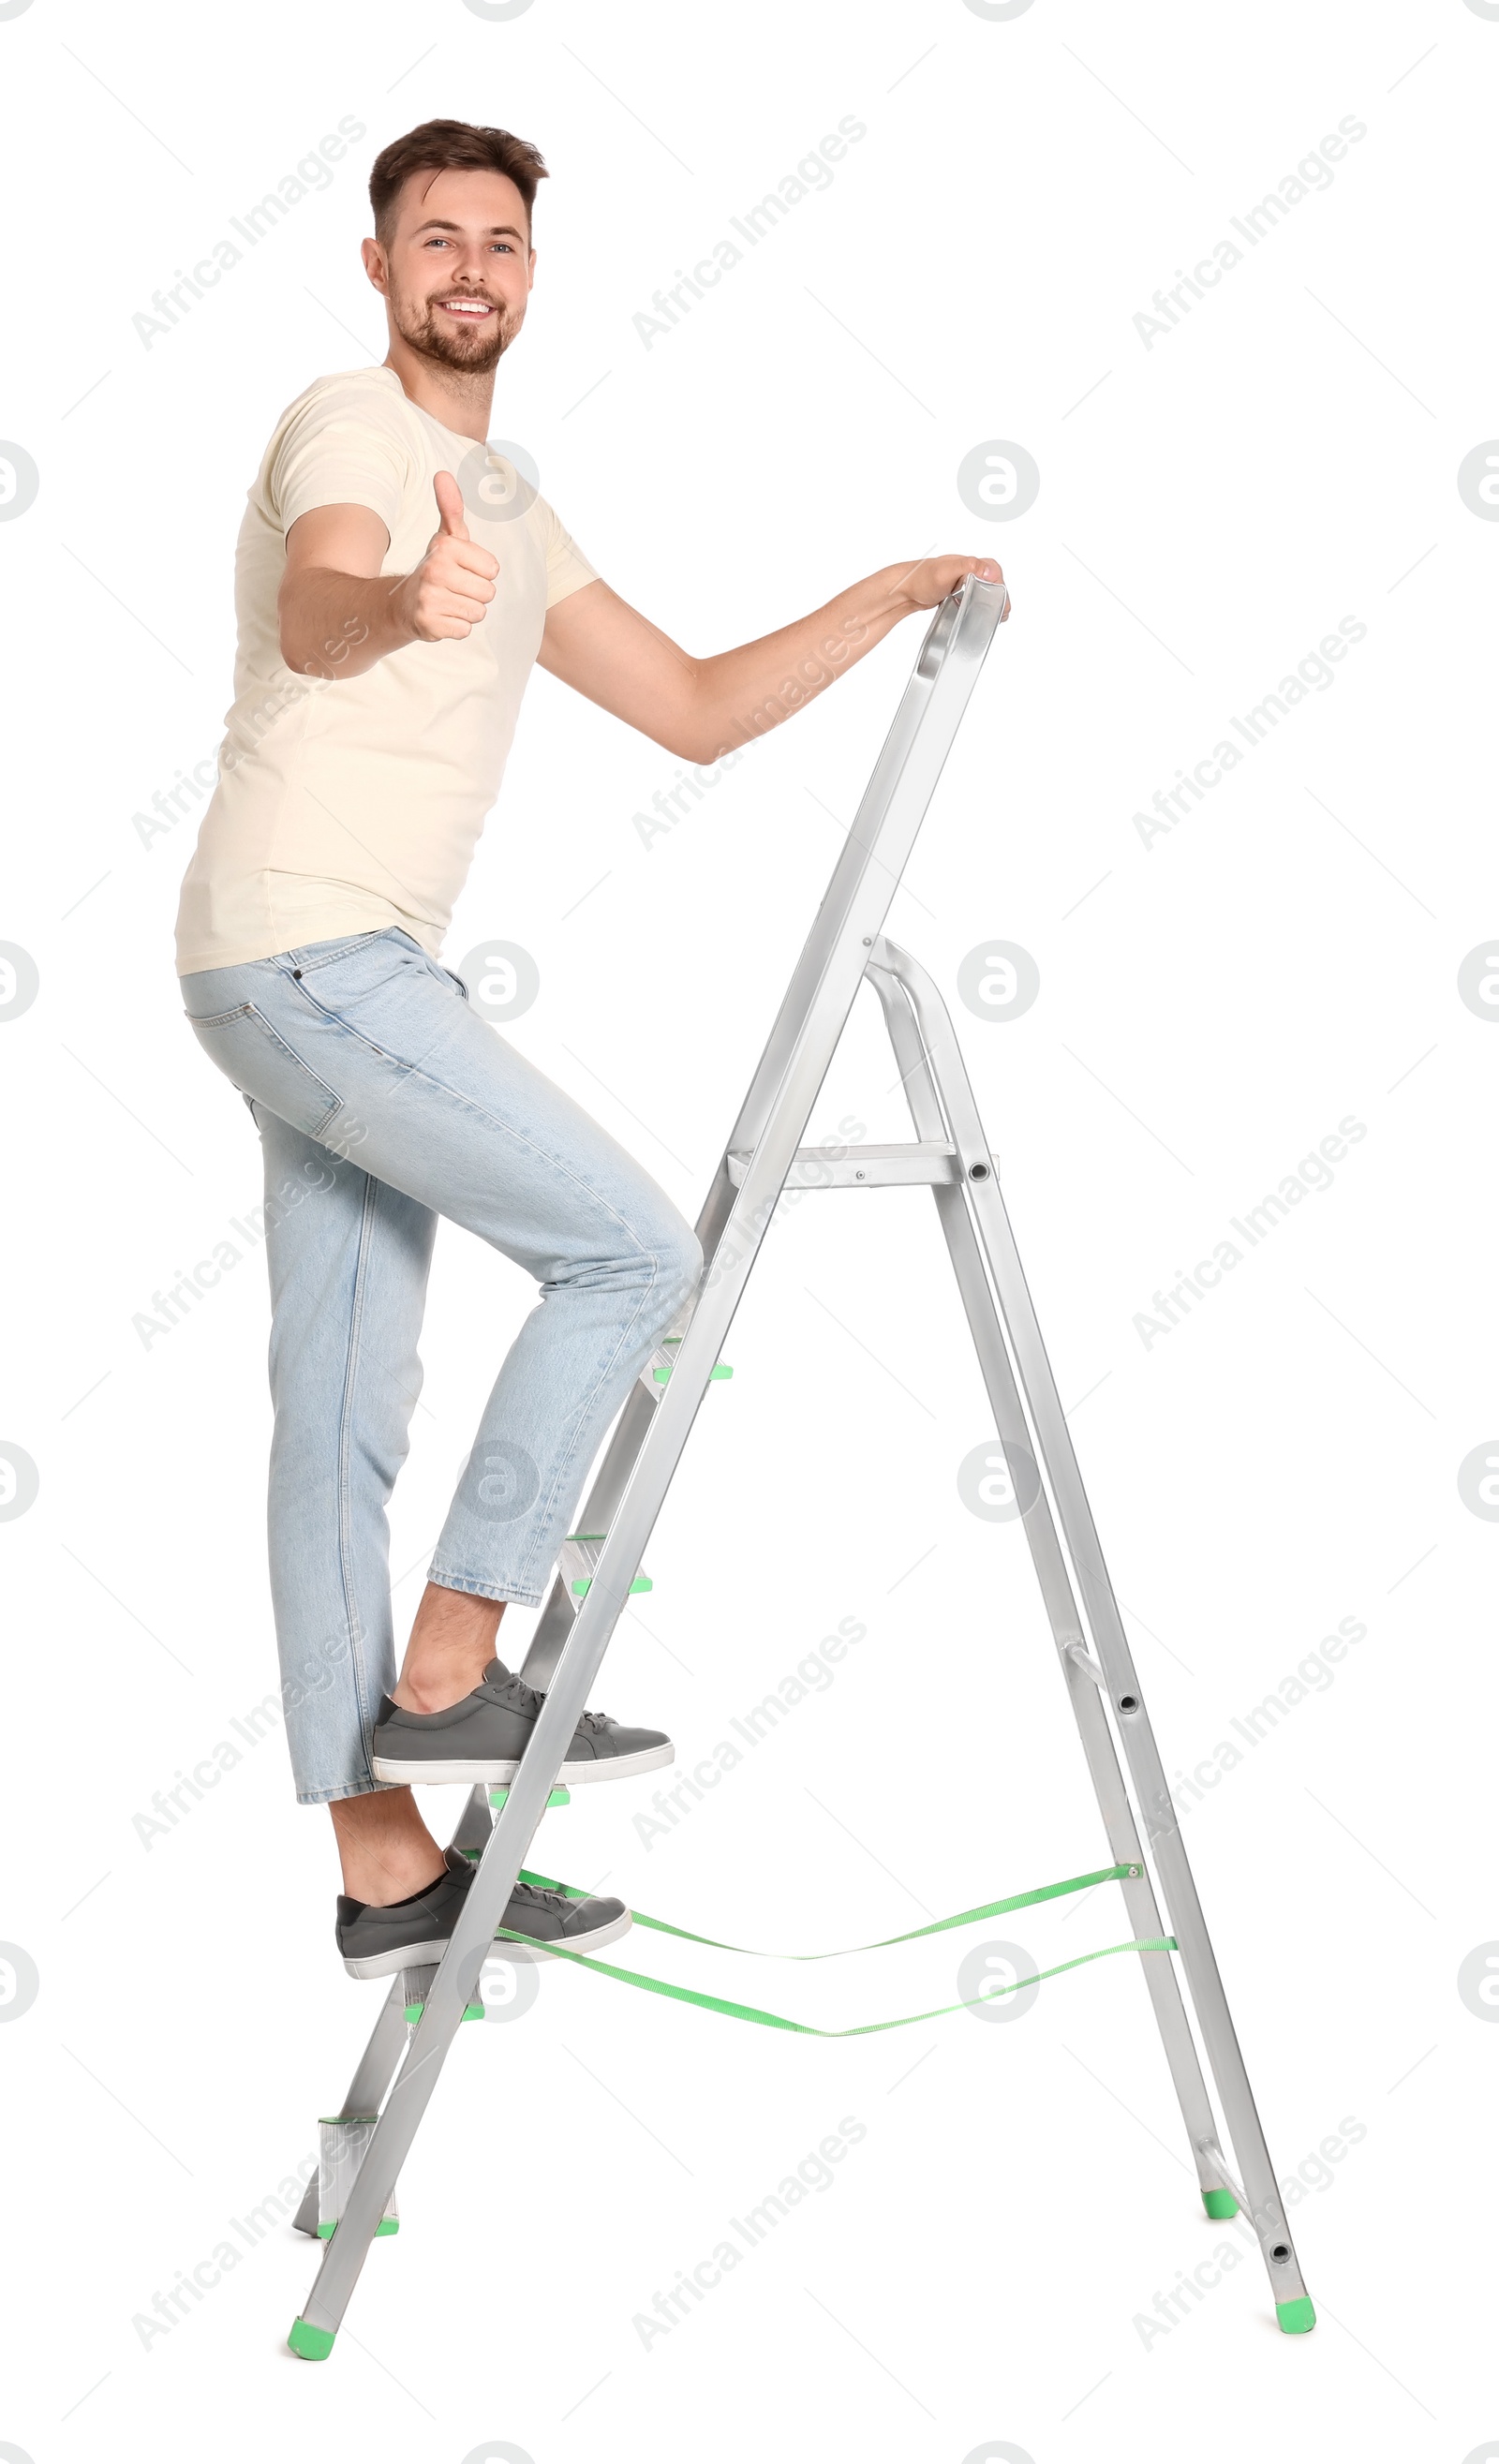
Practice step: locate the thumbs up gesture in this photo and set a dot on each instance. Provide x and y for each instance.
(446, 596)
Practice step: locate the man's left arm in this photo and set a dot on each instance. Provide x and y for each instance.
(703, 708)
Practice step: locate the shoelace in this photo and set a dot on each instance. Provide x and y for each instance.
(530, 1897)
(524, 1697)
(529, 1700)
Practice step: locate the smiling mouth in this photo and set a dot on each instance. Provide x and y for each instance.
(472, 311)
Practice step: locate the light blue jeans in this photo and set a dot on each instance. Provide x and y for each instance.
(382, 1102)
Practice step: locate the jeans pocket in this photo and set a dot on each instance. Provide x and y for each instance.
(381, 991)
(245, 1045)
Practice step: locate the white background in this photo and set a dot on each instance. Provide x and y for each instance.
(1210, 1007)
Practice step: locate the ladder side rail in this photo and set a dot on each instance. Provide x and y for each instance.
(344, 2253)
(474, 1823)
(641, 1497)
(376, 2065)
(376, 2069)
(555, 1621)
(879, 839)
(1265, 2212)
(821, 990)
(923, 1094)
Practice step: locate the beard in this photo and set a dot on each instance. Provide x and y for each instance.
(472, 354)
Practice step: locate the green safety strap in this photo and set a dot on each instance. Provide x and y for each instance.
(872, 2027)
(942, 1925)
(800, 2027)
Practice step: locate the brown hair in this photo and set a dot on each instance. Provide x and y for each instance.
(451, 146)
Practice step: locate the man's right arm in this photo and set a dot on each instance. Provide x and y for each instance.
(338, 613)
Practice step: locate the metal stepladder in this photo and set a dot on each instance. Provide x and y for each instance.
(951, 1155)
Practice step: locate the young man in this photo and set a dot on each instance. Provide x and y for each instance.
(380, 671)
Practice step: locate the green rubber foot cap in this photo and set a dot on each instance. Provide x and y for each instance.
(1296, 2317)
(308, 2342)
(1220, 2203)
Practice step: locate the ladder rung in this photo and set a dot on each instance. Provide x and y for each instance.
(913, 1163)
(578, 1556)
(414, 1984)
(662, 1361)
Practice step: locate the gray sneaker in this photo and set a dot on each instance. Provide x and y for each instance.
(377, 1942)
(483, 1737)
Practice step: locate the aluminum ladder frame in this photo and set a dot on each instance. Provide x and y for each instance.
(763, 1159)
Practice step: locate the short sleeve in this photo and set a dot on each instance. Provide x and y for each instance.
(567, 568)
(336, 449)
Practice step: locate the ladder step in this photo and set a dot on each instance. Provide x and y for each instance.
(414, 1982)
(578, 1556)
(660, 1365)
(920, 1162)
(342, 2139)
(414, 2010)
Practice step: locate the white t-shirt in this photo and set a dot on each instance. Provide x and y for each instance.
(351, 804)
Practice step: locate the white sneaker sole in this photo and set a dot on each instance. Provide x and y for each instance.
(426, 1954)
(587, 1943)
(477, 1773)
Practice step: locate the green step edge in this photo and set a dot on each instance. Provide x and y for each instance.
(1296, 2317)
(720, 1370)
(641, 1583)
(1220, 2203)
(386, 2225)
(414, 2010)
(497, 1796)
(308, 2342)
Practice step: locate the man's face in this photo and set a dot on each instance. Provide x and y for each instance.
(457, 268)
